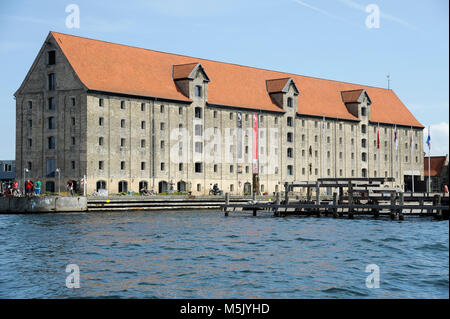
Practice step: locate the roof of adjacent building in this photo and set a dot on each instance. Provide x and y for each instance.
(437, 163)
(110, 67)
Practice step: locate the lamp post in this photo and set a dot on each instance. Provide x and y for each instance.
(58, 171)
(25, 170)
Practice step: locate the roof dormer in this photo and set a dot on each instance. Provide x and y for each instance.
(185, 74)
(283, 92)
(357, 102)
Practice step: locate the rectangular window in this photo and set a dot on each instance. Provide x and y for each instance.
(162, 126)
(142, 166)
(72, 99)
(100, 164)
(143, 107)
(30, 142)
(50, 167)
(73, 140)
(180, 167)
(163, 166)
(161, 109)
(143, 125)
(215, 168)
(100, 121)
(122, 142)
(122, 123)
(30, 105)
(51, 142)
(73, 164)
(215, 114)
(122, 105)
(100, 141)
(198, 147)
(51, 123)
(122, 165)
(290, 170)
(231, 168)
(198, 130)
(73, 121)
(100, 102)
(162, 145)
(198, 112)
(180, 110)
(198, 167)
(198, 91)
(142, 143)
(51, 103)
(51, 57)
(51, 82)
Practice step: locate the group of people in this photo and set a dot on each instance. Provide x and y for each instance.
(13, 189)
(214, 189)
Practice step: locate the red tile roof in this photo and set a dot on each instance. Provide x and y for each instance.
(436, 165)
(276, 85)
(110, 67)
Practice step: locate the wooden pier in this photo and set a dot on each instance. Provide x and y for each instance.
(351, 197)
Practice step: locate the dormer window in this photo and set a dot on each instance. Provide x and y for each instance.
(289, 102)
(198, 91)
(51, 57)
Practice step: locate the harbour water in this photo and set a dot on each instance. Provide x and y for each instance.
(195, 254)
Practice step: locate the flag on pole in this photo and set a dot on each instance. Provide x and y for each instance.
(378, 138)
(429, 139)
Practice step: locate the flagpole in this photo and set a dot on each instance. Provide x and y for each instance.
(411, 153)
(429, 159)
(379, 150)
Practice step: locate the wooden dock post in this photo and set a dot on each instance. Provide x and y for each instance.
(437, 202)
(227, 202)
(400, 210)
(317, 198)
(335, 202)
(393, 209)
(277, 202)
(350, 200)
(286, 193)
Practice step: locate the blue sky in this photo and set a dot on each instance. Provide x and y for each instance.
(322, 38)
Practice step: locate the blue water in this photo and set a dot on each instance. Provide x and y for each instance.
(206, 255)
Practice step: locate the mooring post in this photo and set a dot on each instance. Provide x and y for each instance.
(286, 193)
(350, 200)
(227, 202)
(400, 210)
(438, 203)
(308, 194)
(393, 209)
(335, 202)
(277, 202)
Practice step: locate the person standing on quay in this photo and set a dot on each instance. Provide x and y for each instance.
(37, 189)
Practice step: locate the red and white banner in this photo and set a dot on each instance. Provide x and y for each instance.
(255, 143)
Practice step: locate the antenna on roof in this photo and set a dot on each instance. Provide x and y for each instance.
(389, 81)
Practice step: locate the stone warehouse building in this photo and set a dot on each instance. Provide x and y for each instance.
(129, 118)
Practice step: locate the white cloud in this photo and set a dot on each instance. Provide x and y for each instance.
(439, 139)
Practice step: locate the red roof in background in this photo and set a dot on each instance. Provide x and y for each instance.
(110, 67)
(436, 165)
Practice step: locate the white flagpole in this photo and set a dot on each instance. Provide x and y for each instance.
(429, 159)
(411, 152)
(379, 150)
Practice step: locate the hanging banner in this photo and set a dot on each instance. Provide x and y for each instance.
(255, 143)
(239, 137)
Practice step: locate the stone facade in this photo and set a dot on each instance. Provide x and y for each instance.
(125, 142)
